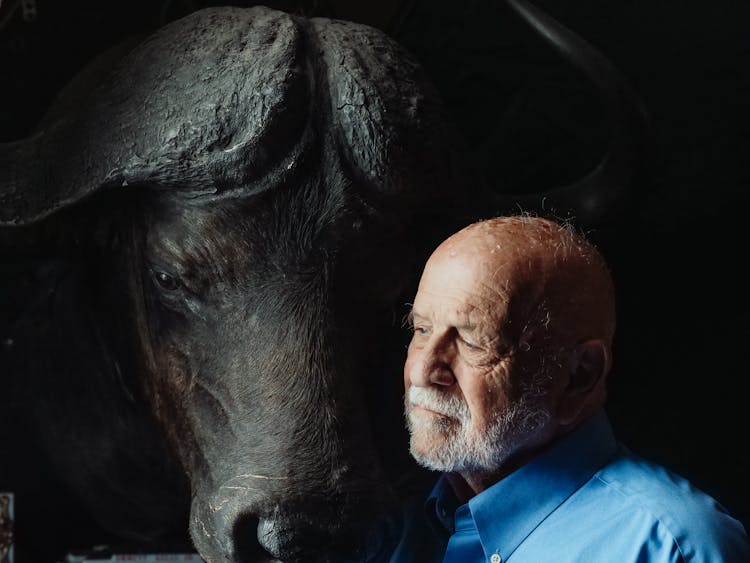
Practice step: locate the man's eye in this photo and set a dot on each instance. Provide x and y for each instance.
(420, 330)
(468, 344)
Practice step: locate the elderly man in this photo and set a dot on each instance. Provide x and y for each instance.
(505, 390)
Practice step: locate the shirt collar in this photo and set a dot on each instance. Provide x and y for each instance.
(512, 508)
(440, 507)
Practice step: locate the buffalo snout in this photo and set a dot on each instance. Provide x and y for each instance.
(367, 537)
(339, 528)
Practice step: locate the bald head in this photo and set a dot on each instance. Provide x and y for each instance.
(554, 282)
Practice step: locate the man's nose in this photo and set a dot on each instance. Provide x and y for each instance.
(432, 364)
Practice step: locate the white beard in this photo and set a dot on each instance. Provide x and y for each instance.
(448, 443)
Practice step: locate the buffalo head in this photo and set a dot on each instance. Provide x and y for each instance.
(255, 193)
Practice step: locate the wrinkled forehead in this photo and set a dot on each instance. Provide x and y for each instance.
(488, 273)
(491, 258)
(472, 274)
(532, 268)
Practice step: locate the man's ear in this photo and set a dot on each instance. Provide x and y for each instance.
(588, 365)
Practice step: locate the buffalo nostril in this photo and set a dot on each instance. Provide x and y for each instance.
(245, 541)
(292, 540)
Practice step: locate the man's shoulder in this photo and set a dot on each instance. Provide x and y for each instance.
(635, 510)
(654, 487)
(647, 496)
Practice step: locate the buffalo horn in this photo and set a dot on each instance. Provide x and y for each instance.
(598, 195)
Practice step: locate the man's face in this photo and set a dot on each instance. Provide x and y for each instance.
(475, 393)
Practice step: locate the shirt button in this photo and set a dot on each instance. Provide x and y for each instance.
(495, 558)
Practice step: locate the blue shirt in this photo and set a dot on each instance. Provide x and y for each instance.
(586, 499)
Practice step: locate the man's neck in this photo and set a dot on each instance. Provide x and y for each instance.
(468, 484)
(461, 488)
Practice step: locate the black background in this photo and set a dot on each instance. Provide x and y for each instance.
(678, 388)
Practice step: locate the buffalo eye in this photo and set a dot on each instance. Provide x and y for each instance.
(166, 281)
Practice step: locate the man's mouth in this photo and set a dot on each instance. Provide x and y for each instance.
(423, 418)
(422, 411)
(429, 410)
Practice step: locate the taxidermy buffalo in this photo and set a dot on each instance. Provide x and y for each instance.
(225, 222)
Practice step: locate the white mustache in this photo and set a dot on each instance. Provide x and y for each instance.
(448, 405)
